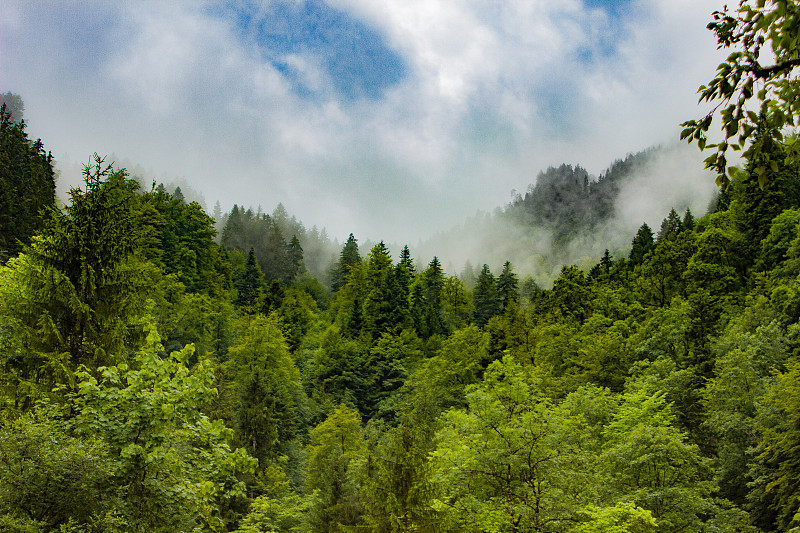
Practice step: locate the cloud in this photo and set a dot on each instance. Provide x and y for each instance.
(438, 108)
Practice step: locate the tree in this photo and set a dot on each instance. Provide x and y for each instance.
(397, 488)
(507, 287)
(249, 283)
(79, 295)
(641, 244)
(295, 254)
(15, 107)
(775, 490)
(650, 462)
(508, 462)
(172, 466)
(181, 241)
(571, 294)
(49, 478)
(265, 417)
(334, 445)
(380, 307)
(431, 282)
(485, 297)
(348, 257)
(671, 226)
(27, 185)
(756, 87)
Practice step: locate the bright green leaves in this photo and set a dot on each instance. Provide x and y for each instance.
(171, 462)
(506, 463)
(650, 462)
(772, 27)
(135, 452)
(335, 445)
(515, 460)
(778, 474)
(49, 477)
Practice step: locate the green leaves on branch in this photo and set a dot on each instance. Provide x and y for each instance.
(757, 28)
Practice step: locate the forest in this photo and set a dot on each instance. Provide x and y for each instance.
(158, 375)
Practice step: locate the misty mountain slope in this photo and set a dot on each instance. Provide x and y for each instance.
(568, 216)
(567, 200)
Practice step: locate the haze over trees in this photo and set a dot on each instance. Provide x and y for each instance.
(155, 379)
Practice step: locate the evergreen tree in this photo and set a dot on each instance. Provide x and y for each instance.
(670, 226)
(348, 257)
(249, 283)
(27, 185)
(507, 287)
(295, 253)
(485, 296)
(642, 243)
(688, 220)
(14, 106)
(379, 315)
(76, 297)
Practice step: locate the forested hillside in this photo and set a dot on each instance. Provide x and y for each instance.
(569, 216)
(154, 380)
(158, 377)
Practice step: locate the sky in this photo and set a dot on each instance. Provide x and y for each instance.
(391, 119)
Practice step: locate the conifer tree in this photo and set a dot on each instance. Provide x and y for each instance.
(487, 301)
(249, 283)
(347, 259)
(642, 243)
(670, 226)
(27, 185)
(77, 296)
(507, 287)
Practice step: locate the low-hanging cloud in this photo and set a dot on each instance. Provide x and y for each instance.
(489, 94)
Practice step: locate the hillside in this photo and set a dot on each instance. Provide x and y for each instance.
(153, 379)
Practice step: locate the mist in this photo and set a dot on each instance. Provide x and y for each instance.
(393, 120)
(672, 177)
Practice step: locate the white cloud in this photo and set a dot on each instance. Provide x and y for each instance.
(494, 92)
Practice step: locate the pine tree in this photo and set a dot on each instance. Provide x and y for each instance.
(507, 287)
(347, 259)
(487, 301)
(670, 226)
(249, 283)
(295, 254)
(27, 185)
(642, 243)
(76, 297)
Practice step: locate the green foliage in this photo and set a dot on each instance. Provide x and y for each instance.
(748, 352)
(269, 391)
(650, 462)
(756, 88)
(509, 462)
(775, 494)
(334, 445)
(485, 297)
(49, 477)
(79, 295)
(571, 295)
(27, 181)
(347, 259)
(182, 242)
(249, 283)
(171, 465)
(624, 517)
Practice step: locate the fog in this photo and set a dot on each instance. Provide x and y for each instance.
(673, 177)
(392, 120)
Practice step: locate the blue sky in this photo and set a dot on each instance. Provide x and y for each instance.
(354, 55)
(392, 119)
